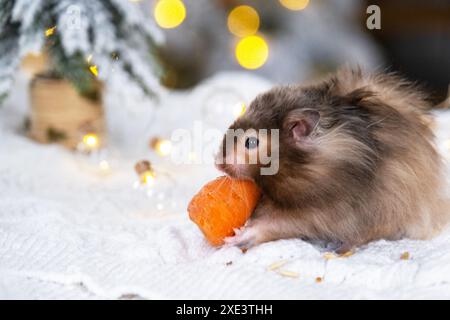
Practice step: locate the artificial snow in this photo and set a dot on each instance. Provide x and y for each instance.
(67, 232)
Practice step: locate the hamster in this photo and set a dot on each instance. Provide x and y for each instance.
(356, 162)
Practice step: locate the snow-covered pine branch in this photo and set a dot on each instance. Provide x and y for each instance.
(115, 35)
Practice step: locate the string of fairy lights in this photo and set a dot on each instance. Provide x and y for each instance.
(156, 184)
(251, 46)
(251, 52)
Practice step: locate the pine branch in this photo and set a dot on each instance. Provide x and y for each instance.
(73, 68)
(121, 31)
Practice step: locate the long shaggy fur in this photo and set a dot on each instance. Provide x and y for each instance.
(369, 170)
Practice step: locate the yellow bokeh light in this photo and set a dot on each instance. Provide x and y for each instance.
(50, 31)
(295, 4)
(169, 13)
(243, 21)
(163, 147)
(91, 140)
(94, 70)
(239, 109)
(148, 178)
(252, 52)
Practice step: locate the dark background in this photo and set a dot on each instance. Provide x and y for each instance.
(414, 40)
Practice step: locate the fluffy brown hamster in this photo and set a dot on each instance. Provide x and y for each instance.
(356, 162)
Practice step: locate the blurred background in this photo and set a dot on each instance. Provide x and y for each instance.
(92, 91)
(309, 38)
(102, 64)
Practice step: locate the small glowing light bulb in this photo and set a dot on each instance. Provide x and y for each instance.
(163, 147)
(295, 5)
(243, 21)
(91, 141)
(169, 13)
(50, 31)
(94, 70)
(252, 52)
(148, 178)
(145, 172)
(239, 109)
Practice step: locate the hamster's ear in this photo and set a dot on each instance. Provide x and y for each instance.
(301, 123)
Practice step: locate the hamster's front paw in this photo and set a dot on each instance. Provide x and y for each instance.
(245, 237)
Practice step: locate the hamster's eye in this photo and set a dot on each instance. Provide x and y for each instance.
(251, 142)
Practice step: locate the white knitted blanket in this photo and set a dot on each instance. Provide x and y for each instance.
(66, 232)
